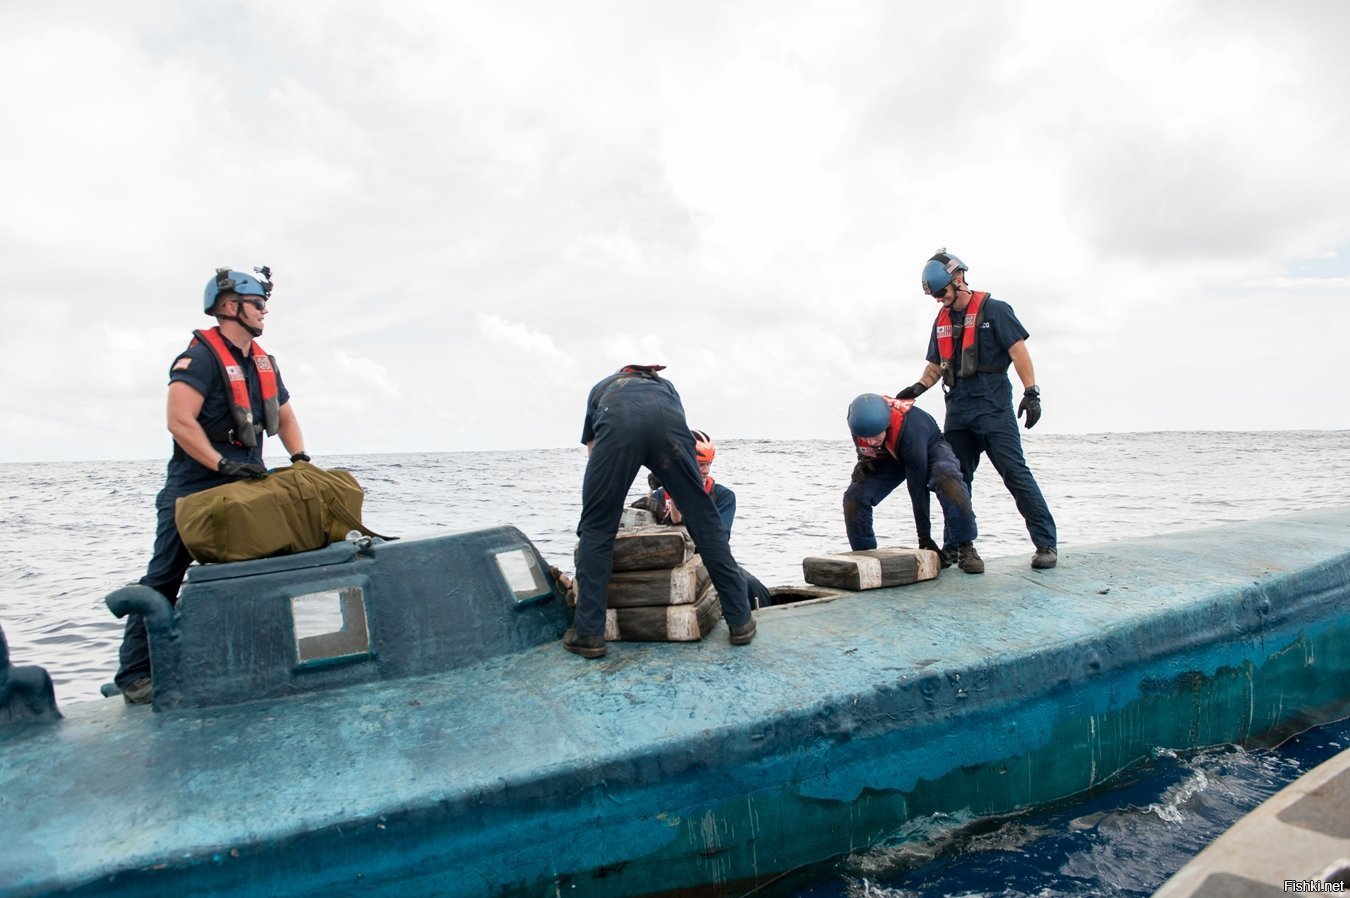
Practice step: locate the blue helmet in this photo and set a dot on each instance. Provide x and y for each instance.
(869, 415)
(939, 271)
(238, 283)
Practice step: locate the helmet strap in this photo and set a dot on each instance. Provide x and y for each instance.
(255, 332)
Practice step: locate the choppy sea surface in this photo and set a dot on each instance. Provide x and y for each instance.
(78, 530)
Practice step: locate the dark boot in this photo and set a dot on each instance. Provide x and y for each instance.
(969, 560)
(585, 646)
(1045, 557)
(744, 633)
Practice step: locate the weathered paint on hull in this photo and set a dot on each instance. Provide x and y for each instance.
(703, 769)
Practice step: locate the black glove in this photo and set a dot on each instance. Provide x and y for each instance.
(300, 456)
(911, 392)
(862, 469)
(240, 469)
(1031, 404)
(927, 543)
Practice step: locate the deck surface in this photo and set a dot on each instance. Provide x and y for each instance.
(114, 787)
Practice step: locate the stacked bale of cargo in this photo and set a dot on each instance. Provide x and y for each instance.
(871, 568)
(659, 590)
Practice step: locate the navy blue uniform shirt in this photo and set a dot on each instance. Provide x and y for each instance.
(999, 330)
(198, 368)
(988, 392)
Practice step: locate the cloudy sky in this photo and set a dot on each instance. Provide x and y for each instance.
(476, 210)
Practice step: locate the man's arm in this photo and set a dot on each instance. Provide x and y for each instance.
(185, 403)
(1021, 360)
(931, 375)
(288, 428)
(914, 456)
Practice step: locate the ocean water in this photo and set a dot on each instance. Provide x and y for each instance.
(78, 530)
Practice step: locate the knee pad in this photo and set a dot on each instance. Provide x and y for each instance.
(954, 488)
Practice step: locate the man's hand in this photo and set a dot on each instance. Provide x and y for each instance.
(673, 512)
(862, 469)
(240, 469)
(1031, 404)
(911, 392)
(926, 542)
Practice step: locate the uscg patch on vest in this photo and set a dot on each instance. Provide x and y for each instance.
(263, 363)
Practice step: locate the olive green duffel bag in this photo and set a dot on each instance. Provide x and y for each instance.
(290, 510)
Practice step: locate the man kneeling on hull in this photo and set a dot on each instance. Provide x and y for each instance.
(897, 442)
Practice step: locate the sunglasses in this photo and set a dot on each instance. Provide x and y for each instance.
(941, 294)
(254, 301)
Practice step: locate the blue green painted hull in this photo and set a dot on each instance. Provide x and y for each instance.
(684, 769)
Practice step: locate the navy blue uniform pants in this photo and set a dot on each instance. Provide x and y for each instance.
(164, 575)
(996, 435)
(888, 473)
(644, 424)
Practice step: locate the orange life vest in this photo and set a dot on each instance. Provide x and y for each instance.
(969, 363)
(899, 408)
(245, 431)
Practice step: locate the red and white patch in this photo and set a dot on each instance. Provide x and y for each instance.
(264, 363)
(182, 364)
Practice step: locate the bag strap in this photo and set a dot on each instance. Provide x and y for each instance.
(333, 502)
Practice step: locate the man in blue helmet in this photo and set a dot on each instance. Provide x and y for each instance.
(896, 443)
(975, 338)
(225, 393)
(634, 418)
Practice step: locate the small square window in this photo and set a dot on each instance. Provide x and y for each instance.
(330, 625)
(520, 570)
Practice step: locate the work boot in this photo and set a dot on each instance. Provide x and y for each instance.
(1045, 557)
(139, 692)
(744, 633)
(969, 560)
(585, 646)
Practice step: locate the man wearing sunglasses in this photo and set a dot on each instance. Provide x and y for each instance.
(974, 340)
(225, 394)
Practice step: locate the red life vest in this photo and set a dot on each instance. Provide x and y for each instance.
(241, 407)
(899, 408)
(969, 361)
(708, 485)
(668, 504)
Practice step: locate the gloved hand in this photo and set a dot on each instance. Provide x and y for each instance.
(926, 542)
(240, 469)
(1031, 404)
(862, 469)
(911, 392)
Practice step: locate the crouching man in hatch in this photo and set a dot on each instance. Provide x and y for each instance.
(898, 442)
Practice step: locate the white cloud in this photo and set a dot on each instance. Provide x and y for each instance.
(471, 203)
